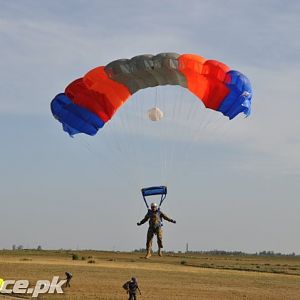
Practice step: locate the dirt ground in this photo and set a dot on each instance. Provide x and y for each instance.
(100, 275)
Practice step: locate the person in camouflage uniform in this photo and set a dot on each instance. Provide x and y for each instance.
(68, 278)
(131, 287)
(155, 216)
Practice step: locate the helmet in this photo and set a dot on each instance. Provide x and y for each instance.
(133, 279)
(154, 206)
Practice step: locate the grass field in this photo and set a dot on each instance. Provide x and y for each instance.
(184, 276)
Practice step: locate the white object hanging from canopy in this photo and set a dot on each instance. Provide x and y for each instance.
(155, 114)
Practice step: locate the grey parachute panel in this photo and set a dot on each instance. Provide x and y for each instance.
(146, 70)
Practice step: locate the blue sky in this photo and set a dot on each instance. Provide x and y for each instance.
(232, 186)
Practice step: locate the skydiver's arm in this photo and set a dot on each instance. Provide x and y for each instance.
(165, 217)
(139, 290)
(146, 218)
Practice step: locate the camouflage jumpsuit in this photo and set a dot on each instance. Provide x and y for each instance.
(155, 224)
(68, 278)
(131, 287)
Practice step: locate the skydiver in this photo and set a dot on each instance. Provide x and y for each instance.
(131, 286)
(155, 216)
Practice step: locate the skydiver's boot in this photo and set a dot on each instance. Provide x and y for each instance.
(148, 254)
(159, 252)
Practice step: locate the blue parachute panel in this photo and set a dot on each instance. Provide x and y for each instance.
(74, 118)
(239, 98)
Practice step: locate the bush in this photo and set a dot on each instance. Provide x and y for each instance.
(183, 262)
(91, 261)
(75, 257)
(205, 265)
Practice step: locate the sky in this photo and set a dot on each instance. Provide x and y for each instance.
(232, 185)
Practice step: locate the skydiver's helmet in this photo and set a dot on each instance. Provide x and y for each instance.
(133, 279)
(154, 206)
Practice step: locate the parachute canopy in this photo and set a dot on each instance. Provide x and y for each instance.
(154, 190)
(91, 101)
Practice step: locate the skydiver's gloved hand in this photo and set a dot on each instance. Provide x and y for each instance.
(173, 221)
(138, 223)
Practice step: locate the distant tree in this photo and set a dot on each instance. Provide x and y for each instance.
(268, 253)
(20, 247)
(139, 250)
(14, 247)
(39, 247)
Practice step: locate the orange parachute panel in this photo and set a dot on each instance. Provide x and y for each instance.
(205, 78)
(98, 81)
(90, 99)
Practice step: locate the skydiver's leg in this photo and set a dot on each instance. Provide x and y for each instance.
(150, 235)
(159, 234)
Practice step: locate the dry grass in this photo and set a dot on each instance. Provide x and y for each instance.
(199, 277)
